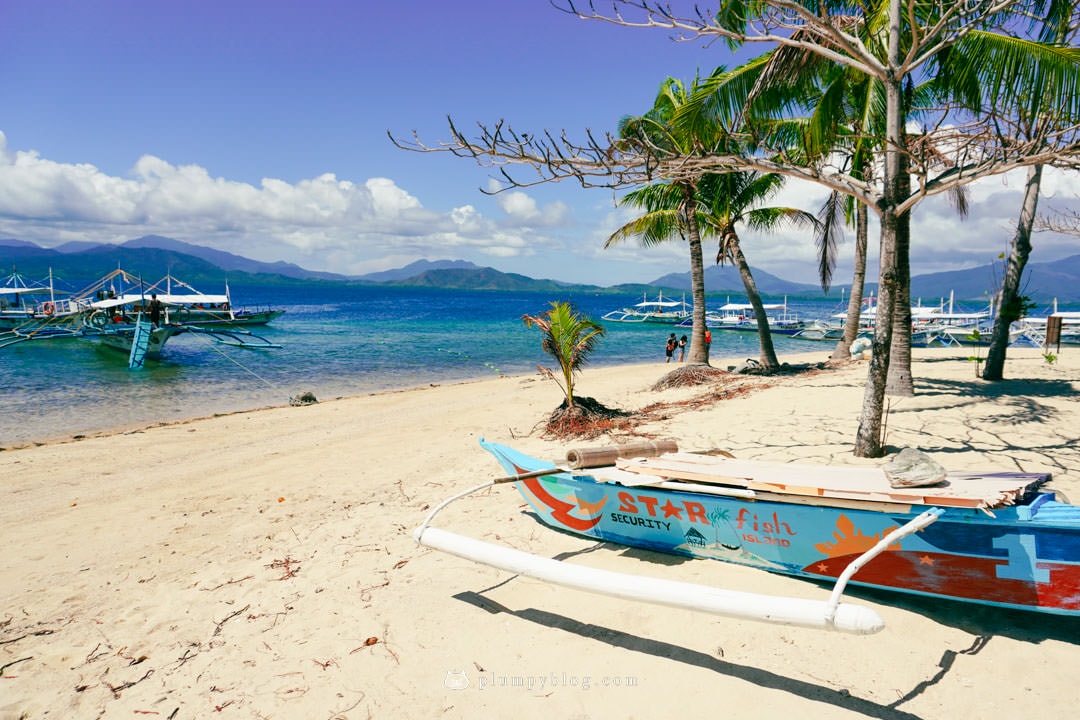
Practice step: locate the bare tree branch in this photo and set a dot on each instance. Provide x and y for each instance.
(956, 149)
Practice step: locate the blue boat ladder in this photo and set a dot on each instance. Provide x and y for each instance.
(140, 343)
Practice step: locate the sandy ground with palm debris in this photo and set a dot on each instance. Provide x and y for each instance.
(261, 565)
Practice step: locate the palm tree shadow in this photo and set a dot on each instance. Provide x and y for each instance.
(1001, 406)
(1021, 389)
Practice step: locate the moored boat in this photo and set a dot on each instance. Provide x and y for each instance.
(23, 301)
(139, 339)
(181, 303)
(1068, 324)
(121, 313)
(820, 330)
(652, 311)
(995, 538)
(741, 317)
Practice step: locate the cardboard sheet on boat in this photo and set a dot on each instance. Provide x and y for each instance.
(960, 489)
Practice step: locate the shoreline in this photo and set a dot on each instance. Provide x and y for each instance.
(124, 428)
(261, 563)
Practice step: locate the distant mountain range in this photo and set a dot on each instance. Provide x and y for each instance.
(153, 256)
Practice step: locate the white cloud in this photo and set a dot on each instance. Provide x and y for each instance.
(353, 227)
(323, 222)
(522, 209)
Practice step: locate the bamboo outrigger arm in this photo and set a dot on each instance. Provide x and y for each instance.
(825, 615)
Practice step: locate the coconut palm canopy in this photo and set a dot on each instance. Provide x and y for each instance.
(998, 67)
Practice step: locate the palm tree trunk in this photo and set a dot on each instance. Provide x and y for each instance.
(899, 380)
(699, 349)
(768, 354)
(1008, 297)
(858, 281)
(869, 440)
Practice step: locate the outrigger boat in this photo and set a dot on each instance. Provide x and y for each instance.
(652, 311)
(110, 316)
(22, 301)
(135, 336)
(181, 304)
(1069, 328)
(741, 317)
(994, 538)
(185, 305)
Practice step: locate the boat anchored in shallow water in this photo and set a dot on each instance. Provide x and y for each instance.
(992, 538)
(23, 301)
(652, 311)
(181, 304)
(741, 317)
(118, 312)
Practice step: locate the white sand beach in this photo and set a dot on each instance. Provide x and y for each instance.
(261, 564)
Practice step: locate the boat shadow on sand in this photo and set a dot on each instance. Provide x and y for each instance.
(978, 620)
(759, 677)
(982, 623)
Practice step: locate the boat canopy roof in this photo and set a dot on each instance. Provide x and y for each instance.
(185, 299)
(659, 304)
(27, 291)
(1067, 318)
(925, 313)
(729, 307)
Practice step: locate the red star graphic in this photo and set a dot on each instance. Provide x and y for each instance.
(926, 560)
(672, 510)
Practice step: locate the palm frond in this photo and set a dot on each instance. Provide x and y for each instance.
(1012, 74)
(829, 233)
(569, 337)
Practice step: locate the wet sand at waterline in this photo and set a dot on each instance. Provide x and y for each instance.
(261, 564)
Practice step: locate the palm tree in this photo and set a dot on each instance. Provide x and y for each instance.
(733, 198)
(570, 338)
(1010, 304)
(890, 41)
(721, 202)
(841, 104)
(1037, 114)
(671, 207)
(665, 219)
(805, 65)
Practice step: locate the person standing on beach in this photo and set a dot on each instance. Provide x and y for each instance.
(682, 348)
(670, 347)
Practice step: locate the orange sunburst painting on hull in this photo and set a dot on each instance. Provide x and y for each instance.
(851, 540)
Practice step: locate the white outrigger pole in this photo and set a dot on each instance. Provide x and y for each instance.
(828, 614)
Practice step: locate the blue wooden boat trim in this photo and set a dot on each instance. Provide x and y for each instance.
(1025, 556)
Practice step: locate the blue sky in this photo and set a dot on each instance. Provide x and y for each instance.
(260, 128)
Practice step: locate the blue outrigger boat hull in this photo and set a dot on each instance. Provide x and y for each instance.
(1023, 556)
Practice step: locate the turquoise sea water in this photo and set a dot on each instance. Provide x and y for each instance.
(336, 341)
